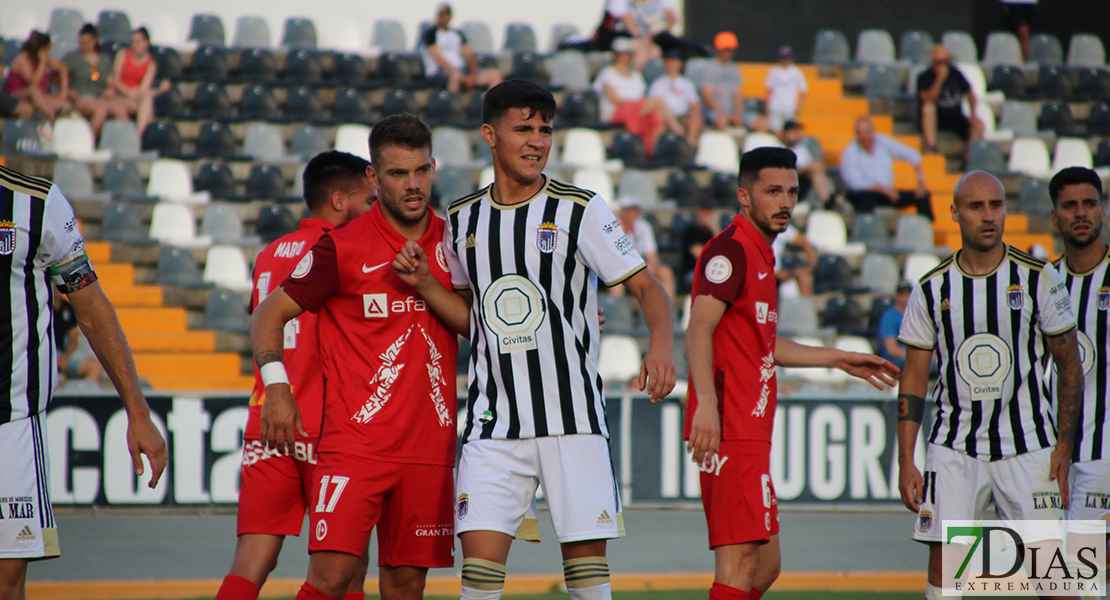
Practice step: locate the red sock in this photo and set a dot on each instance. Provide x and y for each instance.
(355, 596)
(720, 591)
(309, 592)
(755, 594)
(237, 588)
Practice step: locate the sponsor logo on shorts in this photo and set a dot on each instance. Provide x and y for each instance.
(255, 451)
(321, 530)
(462, 506)
(1043, 500)
(26, 535)
(604, 518)
(924, 521)
(713, 464)
(1097, 500)
(19, 507)
(434, 530)
(767, 520)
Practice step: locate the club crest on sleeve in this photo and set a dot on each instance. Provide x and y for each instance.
(462, 505)
(441, 258)
(7, 237)
(1103, 298)
(718, 269)
(547, 236)
(303, 267)
(1015, 297)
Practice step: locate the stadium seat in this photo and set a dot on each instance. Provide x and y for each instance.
(519, 37)
(352, 106)
(1071, 152)
(76, 181)
(672, 150)
(879, 305)
(1010, 80)
(1002, 48)
(207, 30)
(173, 224)
(1086, 50)
(451, 147)
(914, 234)
(629, 149)
(162, 137)
(400, 101)
(1102, 154)
(478, 36)
(978, 81)
(695, 68)
(113, 26)
(209, 62)
(875, 46)
(530, 66)
(682, 188)
(123, 223)
(168, 61)
(985, 155)
(211, 101)
(559, 33)
(23, 136)
(618, 313)
(1094, 84)
(570, 70)
(722, 187)
(251, 32)
(171, 104)
(962, 46)
(274, 221)
(640, 185)
(485, 178)
(341, 34)
(871, 231)
(353, 139)
(717, 151)
(348, 69)
(226, 311)
(990, 129)
(217, 179)
(583, 148)
(1058, 117)
(825, 230)
(1045, 49)
(597, 181)
(267, 182)
(178, 267)
(879, 273)
(796, 315)
(63, 27)
(258, 65)
(830, 48)
(1098, 123)
(883, 81)
(123, 181)
(580, 109)
(216, 139)
(818, 377)
(308, 141)
(918, 264)
(1054, 82)
(303, 66)
(1034, 198)
(388, 36)
(653, 70)
(299, 33)
(445, 108)
(854, 343)
(832, 273)
(1018, 117)
(451, 184)
(845, 315)
(257, 104)
(263, 141)
(303, 104)
(916, 47)
(74, 140)
(166, 30)
(618, 359)
(760, 140)
(1029, 156)
(226, 267)
(16, 22)
(170, 180)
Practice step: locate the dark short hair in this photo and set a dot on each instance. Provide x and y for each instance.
(143, 32)
(517, 93)
(754, 161)
(331, 171)
(90, 29)
(402, 130)
(1073, 176)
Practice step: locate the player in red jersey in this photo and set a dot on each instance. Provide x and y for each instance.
(733, 350)
(387, 447)
(274, 489)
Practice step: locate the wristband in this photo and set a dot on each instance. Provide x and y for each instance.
(272, 373)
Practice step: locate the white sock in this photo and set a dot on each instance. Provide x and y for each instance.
(588, 578)
(473, 594)
(935, 593)
(482, 580)
(594, 592)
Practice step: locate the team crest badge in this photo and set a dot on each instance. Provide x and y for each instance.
(1103, 298)
(7, 237)
(547, 236)
(1015, 297)
(924, 521)
(463, 505)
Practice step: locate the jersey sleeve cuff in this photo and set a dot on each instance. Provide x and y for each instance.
(626, 276)
(461, 288)
(918, 346)
(1061, 332)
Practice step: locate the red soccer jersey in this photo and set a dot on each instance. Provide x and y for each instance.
(738, 268)
(302, 348)
(388, 361)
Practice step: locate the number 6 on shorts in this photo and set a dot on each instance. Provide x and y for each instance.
(340, 483)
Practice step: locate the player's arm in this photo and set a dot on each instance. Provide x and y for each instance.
(97, 318)
(281, 419)
(1069, 397)
(873, 369)
(705, 430)
(911, 409)
(411, 265)
(658, 369)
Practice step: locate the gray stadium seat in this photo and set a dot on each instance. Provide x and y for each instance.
(388, 35)
(879, 273)
(914, 233)
(299, 33)
(1019, 117)
(638, 184)
(653, 70)
(871, 231)
(263, 142)
(560, 32)
(123, 181)
(64, 24)
(123, 223)
(308, 141)
(1045, 49)
(223, 224)
(1086, 50)
(451, 184)
(251, 32)
(207, 30)
(519, 37)
(916, 47)
(962, 46)
(113, 26)
(796, 316)
(830, 48)
(875, 46)
(178, 266)
(76, 181)
(571, 70)
(226, 311)
(122, 139)
(1002, 48)
(451, 147)
(274, 221)
(22, 136)
(883, 81)
(618, 314)
(985, 155)
(1034, 198)
(478, 36)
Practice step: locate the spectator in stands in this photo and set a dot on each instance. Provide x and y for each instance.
(134, 72)
(680, 95)
(867, 168)
(448, 58)
(91, 83)
(786, 90)
(722, 88)
(11, 106)
(941, 90)
(696, 235)
(890, 323)
(811, 172)
(75, 356)
(649, 24)
(794, 278)
(623, 101)
(639, 232)
(31, 73)
(1019, 14)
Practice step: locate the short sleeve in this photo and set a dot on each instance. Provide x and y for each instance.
(617, 8)
(658, 88)
(723, 268)
(428, 38)
(925, 80)
(316, 278)
(800, 78)
(603, 245)
(458, 276)
(462, 37)
(690, 91)
(918, 329)
(1056, 313)
(964, 84)
(61, 236)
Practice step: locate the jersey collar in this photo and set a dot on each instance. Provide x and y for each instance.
(1063, 262)
(308, 223)
(390, 235)
(749, 230)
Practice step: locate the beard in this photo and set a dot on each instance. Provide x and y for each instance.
(764, 222)
(401, 213)
(1082, 240)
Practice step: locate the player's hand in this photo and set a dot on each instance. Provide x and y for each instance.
(911, 485)
(411, 264)
(705, 433)
(1058, 469)
(144, 438)
(281, 419)
(871, 368)
(600, 319)
(657, 373)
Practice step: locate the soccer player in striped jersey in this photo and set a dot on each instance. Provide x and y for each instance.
(41, 248)
(994, 315)
(275, 487)
(525, 256)
(1078, 213)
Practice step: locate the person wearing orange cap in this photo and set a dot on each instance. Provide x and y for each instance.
(722, 88)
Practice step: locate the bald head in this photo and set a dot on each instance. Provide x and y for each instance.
(865, 133)
(976, 184)
(979, 207)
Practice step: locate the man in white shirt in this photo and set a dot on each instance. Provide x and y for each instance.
(448, 59)
(680, 95)
(786, 90)
(639, 232)
(867, 168)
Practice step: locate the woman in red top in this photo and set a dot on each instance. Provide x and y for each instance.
(29, 77)
(134, 73)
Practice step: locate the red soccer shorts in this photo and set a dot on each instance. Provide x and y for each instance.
(273, 492)
(738, 496)
(412, 505)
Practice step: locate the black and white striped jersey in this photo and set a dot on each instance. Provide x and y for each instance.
(1090, 297)
(993, 399)
(533, 270)
(37, 232)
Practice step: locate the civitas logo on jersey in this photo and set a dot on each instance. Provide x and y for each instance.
(378, 306)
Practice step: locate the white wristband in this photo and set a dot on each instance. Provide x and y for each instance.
(272, 373)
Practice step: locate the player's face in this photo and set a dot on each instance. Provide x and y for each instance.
(403, 177)
(771, 200)
(1078, 214)
(520, 143)
(358, 200)
(980, 211)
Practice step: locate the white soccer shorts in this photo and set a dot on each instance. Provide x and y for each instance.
(1090, 491)
(498, 478)
(959, 487)
(27, 528)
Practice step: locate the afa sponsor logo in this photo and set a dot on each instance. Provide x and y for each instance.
(764, 314)
(379, 305)
(434, 530)
(289, 249)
